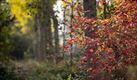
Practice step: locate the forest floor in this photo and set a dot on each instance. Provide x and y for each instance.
(34, 70)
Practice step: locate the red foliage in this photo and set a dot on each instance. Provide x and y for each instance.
(104, 3)
(114, 42)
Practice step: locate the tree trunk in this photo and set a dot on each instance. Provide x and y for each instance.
(90, 8)
(43, 32)
(56, 33)
(46, 49)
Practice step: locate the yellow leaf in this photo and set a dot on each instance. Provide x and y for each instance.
(65, 2)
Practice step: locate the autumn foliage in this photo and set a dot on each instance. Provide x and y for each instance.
(112, 42)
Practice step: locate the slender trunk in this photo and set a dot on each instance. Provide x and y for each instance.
(71, 19)
(56, 32)
(64, 28)
(56, 39)
(56, 35)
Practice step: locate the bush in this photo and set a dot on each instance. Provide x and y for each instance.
(7, 72)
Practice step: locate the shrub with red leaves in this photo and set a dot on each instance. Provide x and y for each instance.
(113, 44)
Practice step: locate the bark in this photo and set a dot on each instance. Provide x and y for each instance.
(56, 32)
(43, 32)
(90, 8)
(56, 35)
(47, 43)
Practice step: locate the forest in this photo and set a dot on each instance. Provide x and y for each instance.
(68, 39)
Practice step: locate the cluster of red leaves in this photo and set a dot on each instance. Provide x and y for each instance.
(103, 2)
(70, 42)
(112, 43)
